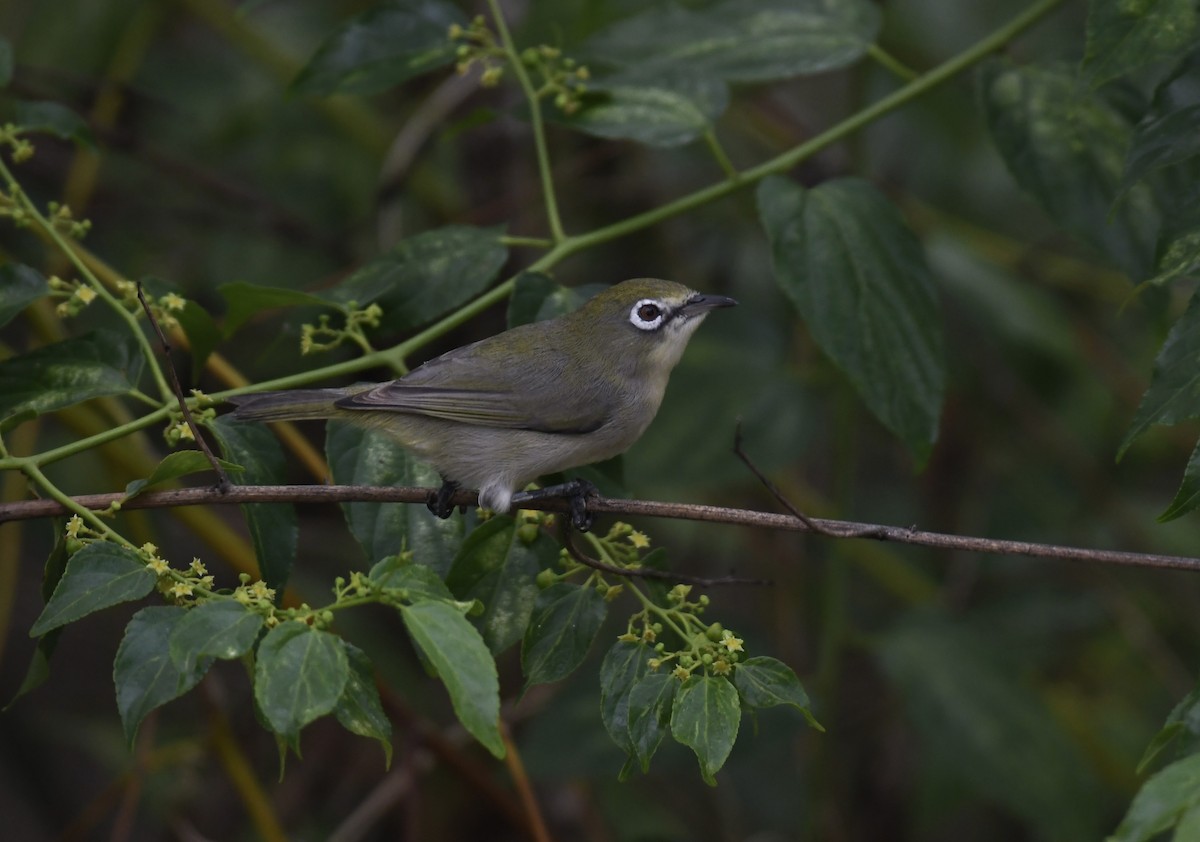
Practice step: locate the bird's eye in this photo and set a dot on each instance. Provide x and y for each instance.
(647, 314)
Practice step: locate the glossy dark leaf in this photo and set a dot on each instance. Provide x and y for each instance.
(384, 46)
(20, 286)
(203, 335)
(143, 672)
(657, 110)
(1065, 145)
(299, 675)
(175, 465)
(566, 619)
(215, 629)
(100, 575)
(1179, 256)
(764, 682)
(95, 365)
(621, 668)
(53, 119)
(651, 701)
(414, 580)
(246, 300)
(537, 297)
(359, 709)
(1169, 139)
(1183, 719)
(464, 664)
(741, 40)
(858, 276)
(358, 456)
(1168, 799)
(1123, 37)
(705, 717)
(273, 527)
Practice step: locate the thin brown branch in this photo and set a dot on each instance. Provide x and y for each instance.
(28, 509)
(651, 573)
(223, 483)
(516, 768)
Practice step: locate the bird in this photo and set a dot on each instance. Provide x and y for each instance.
(536, 399)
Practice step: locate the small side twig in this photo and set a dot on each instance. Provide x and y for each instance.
(223, 482)
(651, 573)
(813, 525)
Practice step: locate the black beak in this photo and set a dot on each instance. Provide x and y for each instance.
(700, 304)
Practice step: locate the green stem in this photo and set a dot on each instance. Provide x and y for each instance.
(891, 63)
(718, 152)
(32, 471)
(532, 242)
(535, 120)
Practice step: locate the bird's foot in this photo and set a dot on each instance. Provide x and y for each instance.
(576, 492)
(438, 501)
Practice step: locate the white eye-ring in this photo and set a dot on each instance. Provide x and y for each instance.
(647, 314)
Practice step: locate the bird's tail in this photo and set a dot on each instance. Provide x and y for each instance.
(289, 405)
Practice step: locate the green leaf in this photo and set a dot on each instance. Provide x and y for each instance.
(566, 619)
(621, 668)
(360, 456)
(20, 286)
(1167, 799)
(741, 40)
(978, 720)
(39, 662)
(273, 528)
(98, 576)
(427, 275)
(1183, 719)
(95, 365)
(496, 566)
(399, 573)
(705, 718)
(1178, 257)
(537, 297)
(53, 119)
(6, 63)
(175, 465)
(246, 300)
(461, 658)
(143, 672)
(384, 46)
(223, 629)
(661, 111)
(299, 675)
(845, 258)
(651, 701)
(1065, 146)
(359, 709)
(765, 682)
(1169, 139)
(202, 333)
(1124, 36)
(1174, 393)
(1187, 498)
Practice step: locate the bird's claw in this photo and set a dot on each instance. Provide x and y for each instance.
(438, 501)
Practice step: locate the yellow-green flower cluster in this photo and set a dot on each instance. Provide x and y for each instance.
(322, 337)
(203, 411)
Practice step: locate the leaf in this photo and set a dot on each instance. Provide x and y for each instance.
(1168, 798)
(384, 46)
(95, 365)
(1123, 36)
(53, 119)
(621, 668)
(419, 582)
(742, 40)
(765, 682)
(566, 619)
(20, 286)
(705, 718)
(360, 456)
(98, 576)
(1169, 139)
(246, 300)
(1179, 257)
(496, 566)
(1187, 498)
(273, 528)
(461, 658)
(203, 335)
(845, 258)
(537, 297)
(1183, 719)
(661, 111)
(359, 708)
(143, 672)
(426, 276)
(222, 628)
(1065, 146)
(989, 730)
(651, 701)
(1174, 393)
(175, 465)
(299, 675)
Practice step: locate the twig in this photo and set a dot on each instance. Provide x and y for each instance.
(223, 482)
(650, 572)
(27, 509)
(516, 768)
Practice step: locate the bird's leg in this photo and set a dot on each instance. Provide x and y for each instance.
(439, 501)
(575, 491)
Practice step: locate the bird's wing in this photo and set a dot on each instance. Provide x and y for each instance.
(478, 385)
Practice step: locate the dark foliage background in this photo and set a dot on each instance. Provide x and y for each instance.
(964, 696)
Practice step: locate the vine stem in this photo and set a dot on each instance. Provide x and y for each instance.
(833, 529)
